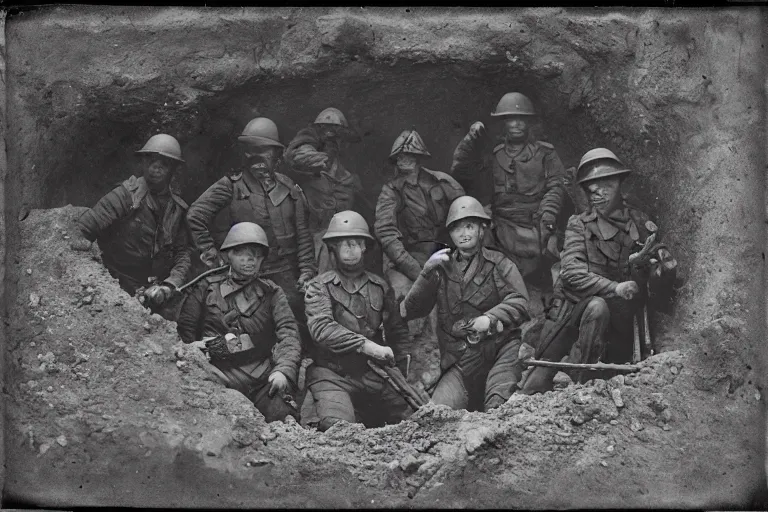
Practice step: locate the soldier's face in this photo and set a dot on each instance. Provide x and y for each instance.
(350, 251)
(516, 128)
(261, 160)
(466, 234)
(246, 259)
(158, 171)
(604, 194)
(407, 162)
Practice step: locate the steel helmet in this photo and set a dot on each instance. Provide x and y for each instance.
(245, 233)
(261, 131)
(409, 142)
(332, 116)
(514, 104)
(599, 163)
(464, 207)
(163, 144)
(347, 224)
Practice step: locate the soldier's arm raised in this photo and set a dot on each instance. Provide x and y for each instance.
(422, 296)
(574, 269)
(513, 308)
(468, 156)
(287, 350)
(112, 207)
(554, 172)
(323, 328)
(303, 156)
(204, 209)
(390, 238)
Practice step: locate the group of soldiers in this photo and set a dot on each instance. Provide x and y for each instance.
(287, 277)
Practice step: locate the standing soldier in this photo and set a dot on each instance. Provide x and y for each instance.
(252, 335)
(314, 156)
(410, 216)
(603, 285)
(352, 316)
(481, 303)
(141, 229)
(527, 179)
(267, 198)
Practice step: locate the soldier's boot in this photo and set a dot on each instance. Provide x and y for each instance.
(590, 346)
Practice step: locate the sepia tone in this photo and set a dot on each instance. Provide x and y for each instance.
(104, 404)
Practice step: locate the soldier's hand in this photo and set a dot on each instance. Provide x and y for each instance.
(80, 244)
(627, 290)
(211, 258)
(158, 294)
(320, 160)
(277, 383)
(437, 259)
(303, 281)
(378, 352)
(198, 344)
(477, 130)
(481, 324)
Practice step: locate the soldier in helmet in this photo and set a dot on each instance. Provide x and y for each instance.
(261, 195)
(410, 215)
(141, 229)
(352, 317)
(314, 156)
(481, 303)
(246, 325)
(527, 180)
(602, 284)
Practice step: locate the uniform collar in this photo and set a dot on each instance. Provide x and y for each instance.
(609, 226)
(351, 284)
(249, 288)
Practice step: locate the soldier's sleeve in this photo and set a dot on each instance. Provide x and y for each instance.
(323, 328)
(204, 209)
(395, 328)
(513, 308)
(422, 296)
(190, 321)
(112, 207)
(574, 269)
(468, 163)
(287, 351)
(390, 238)
(453, 189)
(182, 256)
(304, 242)
(301, 159)
(554, 172)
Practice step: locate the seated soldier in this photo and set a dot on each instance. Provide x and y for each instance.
(141, 228)
(601, 287)
(346, 311)
(481, 303)
(253, 335)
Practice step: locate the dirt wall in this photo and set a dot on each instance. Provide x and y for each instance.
(679, 95)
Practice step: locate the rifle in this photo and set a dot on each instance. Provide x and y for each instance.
(629, 368)
(395, 378)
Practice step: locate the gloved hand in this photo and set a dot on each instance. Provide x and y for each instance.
(437, 259)
(627, 290)
(211, 258)
(477, 130)
(319, 160)
(80, 244)
(158, 294)
(378, 352)
(277, 383)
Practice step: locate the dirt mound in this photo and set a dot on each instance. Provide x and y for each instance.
(103, 388)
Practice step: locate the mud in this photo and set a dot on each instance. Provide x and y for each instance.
(104, 405)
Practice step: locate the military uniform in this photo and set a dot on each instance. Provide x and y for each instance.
(327, 191)
(142, 236)
(218, 305)
(489, 284)
(342, 313)
(524, 187)
(595, 259)
(282, 214)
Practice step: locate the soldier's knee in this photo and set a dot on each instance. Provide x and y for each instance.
(596, 309)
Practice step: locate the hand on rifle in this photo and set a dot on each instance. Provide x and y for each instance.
(278, 383)
(378, 352)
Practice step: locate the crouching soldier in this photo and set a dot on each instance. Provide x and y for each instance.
(352, 318)
(481, 303)
(610, 260)
(252, 335)
(141, 229)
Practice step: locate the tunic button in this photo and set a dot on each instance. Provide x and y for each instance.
(463, 346)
